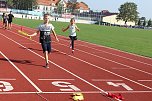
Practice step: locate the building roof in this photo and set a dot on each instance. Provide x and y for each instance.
(47, 2)
(107, 13)
(82, 5)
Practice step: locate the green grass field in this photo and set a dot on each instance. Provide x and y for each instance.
(136, 41)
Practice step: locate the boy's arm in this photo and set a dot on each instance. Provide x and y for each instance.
(55, 35)
(34, 34)
(65, 29)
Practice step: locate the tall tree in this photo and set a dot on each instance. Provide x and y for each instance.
(128, 12)
(139, 22)
(10, 3)
(59, 8)
(71, 5)
(149, 23)
(144, 23)
(72, 1)
(24, 4)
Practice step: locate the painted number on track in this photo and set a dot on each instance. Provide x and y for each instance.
(5, 86)
(65, 86)
(120, 84)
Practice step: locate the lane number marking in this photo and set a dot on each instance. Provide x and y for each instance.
(119, 85)
(5, 86)
(65, 86)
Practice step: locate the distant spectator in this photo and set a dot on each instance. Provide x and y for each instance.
(10, 19)
(5, 21)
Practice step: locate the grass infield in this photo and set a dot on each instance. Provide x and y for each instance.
(137, 41)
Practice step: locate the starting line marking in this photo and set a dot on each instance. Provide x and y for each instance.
(145, 80)
(29, 43)
(56, 79)
(105, 80)
(85, 92)
(6, 79)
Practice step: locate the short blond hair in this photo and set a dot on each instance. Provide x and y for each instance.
(46, 15)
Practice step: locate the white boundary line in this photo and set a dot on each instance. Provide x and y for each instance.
(21, 73)
(81, 61)
(84, 92)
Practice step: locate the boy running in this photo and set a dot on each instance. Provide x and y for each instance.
(72, 28)
(45, 30)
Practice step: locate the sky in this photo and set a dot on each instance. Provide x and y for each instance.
(144, 7)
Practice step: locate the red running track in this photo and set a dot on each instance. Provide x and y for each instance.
(93, 70)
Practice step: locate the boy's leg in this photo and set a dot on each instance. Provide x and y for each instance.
(46, 51)
(10, 25)
(48, 46)
(46, 57)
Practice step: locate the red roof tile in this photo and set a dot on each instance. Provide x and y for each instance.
(82, 6)
(47, 2)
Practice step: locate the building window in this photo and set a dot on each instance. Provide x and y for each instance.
(38, 7)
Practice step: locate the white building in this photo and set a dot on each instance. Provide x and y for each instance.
(48, 6)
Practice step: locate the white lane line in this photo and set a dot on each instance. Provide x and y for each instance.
(119, 68)
(130, 91)
(21, 72)
(145, 80)
(56, 79)
(84, 92)
(6, 79)
(105, 80)
(79, 60)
